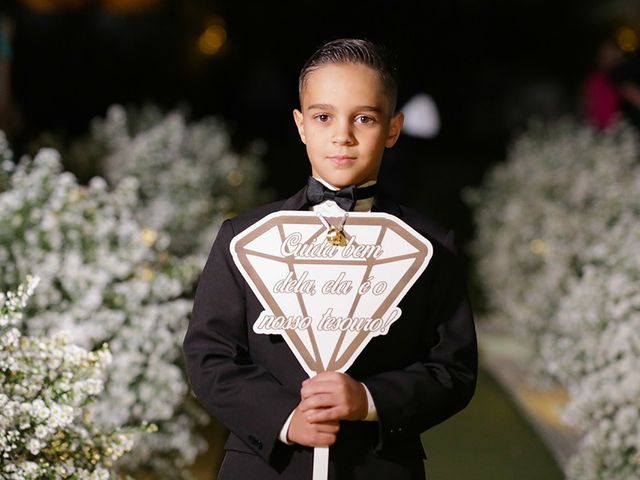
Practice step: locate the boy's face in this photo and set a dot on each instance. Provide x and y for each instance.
(346, 122)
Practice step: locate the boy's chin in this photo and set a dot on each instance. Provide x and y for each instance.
(341, 179)
(341, 183)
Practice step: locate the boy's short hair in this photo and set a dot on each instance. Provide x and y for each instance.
(357, 51)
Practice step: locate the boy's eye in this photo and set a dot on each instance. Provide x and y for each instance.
(364, 119)
(322, 117)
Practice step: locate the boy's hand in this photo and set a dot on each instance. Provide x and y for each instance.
(333, 396)
(318, 434)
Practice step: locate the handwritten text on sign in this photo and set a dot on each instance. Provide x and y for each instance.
(327, 300)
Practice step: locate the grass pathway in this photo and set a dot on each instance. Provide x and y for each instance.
(488, 440)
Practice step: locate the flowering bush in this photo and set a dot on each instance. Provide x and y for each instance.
(117, 264)
(595, 352)
(539, 214)
(105, 278)
(558, 243)
(46, 385)
(189, 178)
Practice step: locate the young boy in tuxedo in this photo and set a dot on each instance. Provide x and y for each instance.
(419, 374)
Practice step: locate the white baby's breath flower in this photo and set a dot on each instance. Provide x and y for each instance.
(39, 418)
(557, 249)
(106, 259)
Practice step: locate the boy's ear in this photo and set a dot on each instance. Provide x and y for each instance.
(297, 117)
(395, 127)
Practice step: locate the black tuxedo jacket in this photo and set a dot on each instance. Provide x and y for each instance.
(420, 373)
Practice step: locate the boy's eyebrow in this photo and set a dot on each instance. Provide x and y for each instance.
(368, 108)
(327, 106)
(320, 106)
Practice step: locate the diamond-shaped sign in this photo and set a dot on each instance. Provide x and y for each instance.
(328, 301)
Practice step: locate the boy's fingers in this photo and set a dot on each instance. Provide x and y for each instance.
(326, 415)
(328, 427)
(326, 376)
(323, 439)
(323, 377)
(321, 400)
(315, 388)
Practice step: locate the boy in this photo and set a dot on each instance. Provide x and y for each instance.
(420, 373)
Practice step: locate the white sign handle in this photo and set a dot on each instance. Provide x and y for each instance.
(320, 463)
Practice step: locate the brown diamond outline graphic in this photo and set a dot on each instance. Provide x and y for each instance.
(421, 259)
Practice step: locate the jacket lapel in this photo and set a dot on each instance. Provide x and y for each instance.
(297, 202)
(382, 203)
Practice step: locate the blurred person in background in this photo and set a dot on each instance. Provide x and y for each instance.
(602, 98)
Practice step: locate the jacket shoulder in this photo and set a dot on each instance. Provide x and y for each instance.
(246, 219)
(428, 227)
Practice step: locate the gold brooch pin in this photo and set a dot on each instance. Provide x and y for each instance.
(336, 237)
(335, 234)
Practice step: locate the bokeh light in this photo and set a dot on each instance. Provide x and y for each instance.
(235, 178)
(627, 39)
(45, 6)
(212, 39)
(538, 247)
(124, 7)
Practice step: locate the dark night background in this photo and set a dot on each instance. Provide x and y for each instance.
(490, 67)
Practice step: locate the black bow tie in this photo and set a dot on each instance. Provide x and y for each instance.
(345, 197)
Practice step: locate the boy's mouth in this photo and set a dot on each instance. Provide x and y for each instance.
(341, 159)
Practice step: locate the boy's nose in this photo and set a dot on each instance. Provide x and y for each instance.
(342, 135)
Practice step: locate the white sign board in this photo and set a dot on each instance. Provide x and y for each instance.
(328, 301)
